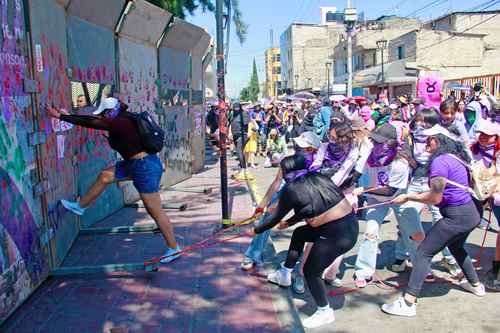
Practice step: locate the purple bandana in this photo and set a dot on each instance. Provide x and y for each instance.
(381, 155)
(335, 154)
(291, 176)
(487, 153)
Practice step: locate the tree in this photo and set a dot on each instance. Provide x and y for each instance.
(253, 87)
(244, 95)
(182, 7)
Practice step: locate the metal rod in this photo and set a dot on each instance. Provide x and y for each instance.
(222, 109)
(91, 269)
(134, 229)
(190, 190)
(383, 79)
(179, 206)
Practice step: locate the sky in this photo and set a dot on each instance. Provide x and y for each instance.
(262, 16)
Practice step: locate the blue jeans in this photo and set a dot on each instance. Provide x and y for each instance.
(410, 212)
(145, 172)
(256, 248)
(366, 260)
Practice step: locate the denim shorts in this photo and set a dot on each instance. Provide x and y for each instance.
(145, 173)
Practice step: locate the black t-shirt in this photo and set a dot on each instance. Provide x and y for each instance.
(308, 196)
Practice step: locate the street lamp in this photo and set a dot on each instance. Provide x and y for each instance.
(381, 46)
(328, 66)
(296, 82)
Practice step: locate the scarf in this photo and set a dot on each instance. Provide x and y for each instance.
(291, 176)
(381, 155)
(487, 153)
(335, 154)
(419, 139)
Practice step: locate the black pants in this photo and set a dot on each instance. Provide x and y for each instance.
(330, 241)
(238, 145)
(451, 231)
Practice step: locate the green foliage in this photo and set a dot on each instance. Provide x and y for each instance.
(244, 95)
(182, 7)
(253, 87)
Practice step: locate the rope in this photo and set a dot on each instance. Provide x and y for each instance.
(204, 243)
(481, 249)
(375, 205)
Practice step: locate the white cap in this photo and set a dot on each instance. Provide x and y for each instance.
(308, 140)
(438, 129)
(487, 127)
(107, 103)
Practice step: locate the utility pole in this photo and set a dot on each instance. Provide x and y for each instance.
(350, 18)
(223, 130)
(328, 66)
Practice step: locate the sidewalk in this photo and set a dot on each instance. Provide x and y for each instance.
(204, 291)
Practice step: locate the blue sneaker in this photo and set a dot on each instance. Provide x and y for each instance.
(168, 257)
(73, 207)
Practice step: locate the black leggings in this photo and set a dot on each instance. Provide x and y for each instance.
(451, 231)
(330, 241)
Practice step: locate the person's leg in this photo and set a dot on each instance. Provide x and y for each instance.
(366, 260)
(331, 271)
(106, 177)
(410, 227)
(300, 236)
(152, 203)
(496, 212)
(463, 260)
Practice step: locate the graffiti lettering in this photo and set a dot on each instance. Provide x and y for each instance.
(12, 59)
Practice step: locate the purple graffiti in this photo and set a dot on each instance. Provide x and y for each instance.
(18, 222)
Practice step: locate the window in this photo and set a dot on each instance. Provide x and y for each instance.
(277, 70)
(278, 58)
(401, 52)
(374, 58)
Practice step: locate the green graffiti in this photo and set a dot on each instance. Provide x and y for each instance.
(5, 140)
(17, 165)
(14, 163)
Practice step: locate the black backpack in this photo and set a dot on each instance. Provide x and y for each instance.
(152, 135)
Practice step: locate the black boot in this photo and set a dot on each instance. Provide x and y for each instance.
(492, 282)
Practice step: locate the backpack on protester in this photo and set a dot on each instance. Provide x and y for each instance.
(151, 134)
(482, 179)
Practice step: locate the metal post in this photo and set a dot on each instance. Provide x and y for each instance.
(349, 63)
(222, 109)
(383, 79)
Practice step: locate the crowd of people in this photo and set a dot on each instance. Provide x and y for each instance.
(400, 156)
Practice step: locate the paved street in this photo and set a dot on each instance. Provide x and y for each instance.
(442, 308)
(205, 291)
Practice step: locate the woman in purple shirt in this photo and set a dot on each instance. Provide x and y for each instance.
(460, 217)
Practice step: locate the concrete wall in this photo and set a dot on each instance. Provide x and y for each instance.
(42, 160)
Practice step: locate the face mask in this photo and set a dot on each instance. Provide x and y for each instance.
(381, 155)
(113, 112)
(487, 153)
(418, 134)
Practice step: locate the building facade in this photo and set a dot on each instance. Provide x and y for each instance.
(272, 85)
(461, 48)
(305, 51)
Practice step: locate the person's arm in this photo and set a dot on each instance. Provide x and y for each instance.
(84, 121)
(285, 205)
(432, 197)
(273, 188)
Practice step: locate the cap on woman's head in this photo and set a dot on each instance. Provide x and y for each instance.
(307, 140)
(487, 127)
(106, 104)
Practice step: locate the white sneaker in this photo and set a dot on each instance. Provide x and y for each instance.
(73, 206)
(319, 318)
(170, 256)
(476, 290)
(400, 308)
(399, 266)
(282, 277)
